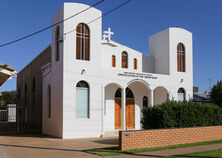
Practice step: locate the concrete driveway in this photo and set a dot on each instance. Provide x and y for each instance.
(37, 146)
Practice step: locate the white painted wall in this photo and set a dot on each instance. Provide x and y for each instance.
(74, 127)
(99, 74)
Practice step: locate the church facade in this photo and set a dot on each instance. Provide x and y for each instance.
(92, 85)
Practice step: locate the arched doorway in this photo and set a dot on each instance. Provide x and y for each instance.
(130, 109)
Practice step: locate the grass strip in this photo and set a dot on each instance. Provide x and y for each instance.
(111, 151)
(203, 154)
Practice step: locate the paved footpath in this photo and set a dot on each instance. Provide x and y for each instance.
(34, 146)
(170, 152)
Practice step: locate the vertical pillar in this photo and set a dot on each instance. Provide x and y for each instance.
(123, 104)
(102, 109)
(151, 97)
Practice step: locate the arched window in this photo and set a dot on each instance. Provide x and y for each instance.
(82, 42)
(19, 92)
(33, 91)
(135, 63)
(26, 93)
(57, 43)
(82, 99)
(124, 60)
(129, 93)
(26, 107)
(49, 101)
(180, 58)
(118, 93)
(181, 95)
(145, 101)
(113, 61)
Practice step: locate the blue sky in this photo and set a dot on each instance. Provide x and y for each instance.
(132, 25)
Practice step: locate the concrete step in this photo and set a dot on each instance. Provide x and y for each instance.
(110, 134)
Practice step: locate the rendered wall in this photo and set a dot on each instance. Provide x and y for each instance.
(53, 126)
(74, 127)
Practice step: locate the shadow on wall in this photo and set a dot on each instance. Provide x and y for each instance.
(147, 64)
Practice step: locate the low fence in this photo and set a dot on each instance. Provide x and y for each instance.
(165, 137)
(8, 119)
(19, 119)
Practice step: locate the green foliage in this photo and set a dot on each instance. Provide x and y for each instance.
(172, 114)
(8, 97)
(216, 93)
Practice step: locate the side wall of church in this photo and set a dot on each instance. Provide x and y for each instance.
(30, 100)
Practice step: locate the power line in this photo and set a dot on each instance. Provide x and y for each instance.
(46, 28)
(107, 13)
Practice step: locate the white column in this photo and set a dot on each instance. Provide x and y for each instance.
(151, 97)
(102, 109)
(123, 105)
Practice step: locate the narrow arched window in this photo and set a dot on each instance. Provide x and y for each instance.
(26, 93)
(82, 100)
(33, 91)
(124, 60)
(145, 101)
(82, 42)
(49, 101)
(113, 61)
(134, 63)
(57, 43)
(26, 107)
(180, 58)
(181, 95)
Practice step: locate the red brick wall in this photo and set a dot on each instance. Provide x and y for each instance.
(166, 137)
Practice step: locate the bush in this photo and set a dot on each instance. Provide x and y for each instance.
(216, 93)
(172, 114)
(8, 97)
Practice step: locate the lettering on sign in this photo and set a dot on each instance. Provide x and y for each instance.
(138, 75)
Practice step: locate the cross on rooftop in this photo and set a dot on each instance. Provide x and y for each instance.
(107, 34)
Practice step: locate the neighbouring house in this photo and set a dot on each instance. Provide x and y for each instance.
(6, 72)
(85, 84)
(201, 97)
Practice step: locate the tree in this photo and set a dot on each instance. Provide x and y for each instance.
(216, 93)
(8, 97)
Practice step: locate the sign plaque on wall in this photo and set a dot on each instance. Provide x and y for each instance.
(137, 75)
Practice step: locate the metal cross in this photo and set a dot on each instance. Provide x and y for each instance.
(107, 34)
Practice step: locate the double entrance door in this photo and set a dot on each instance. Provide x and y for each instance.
(130, 113)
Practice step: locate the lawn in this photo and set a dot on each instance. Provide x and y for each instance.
(205, 154)
(115, 151)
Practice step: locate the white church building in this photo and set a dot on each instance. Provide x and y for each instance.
(94, 85)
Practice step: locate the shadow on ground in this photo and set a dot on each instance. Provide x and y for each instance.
(111, 141)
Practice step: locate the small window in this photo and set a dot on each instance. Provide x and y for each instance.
(113, 61)
(49, 101)
(181, 95)
(124, 60)
(145, 101)
(57, 43)
(33, 91)
(26, 102)
(82, 42)
(135, 63)
(180, 58)
(82, 100)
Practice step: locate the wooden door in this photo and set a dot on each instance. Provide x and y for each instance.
(118, 113)
(130, 113)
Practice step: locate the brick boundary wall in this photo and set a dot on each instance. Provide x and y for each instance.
(165, 137)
